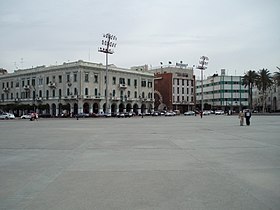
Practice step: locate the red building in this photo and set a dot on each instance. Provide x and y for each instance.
(174, 89)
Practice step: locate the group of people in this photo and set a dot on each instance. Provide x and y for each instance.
(244, 114)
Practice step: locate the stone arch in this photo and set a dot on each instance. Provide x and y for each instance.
(76, 108)
(86, 108)
(143, 108)
(135, 109)
(128, 107)
(53, 109)
(113, 108)
(121, 107)
(95, 108)
(159, 105)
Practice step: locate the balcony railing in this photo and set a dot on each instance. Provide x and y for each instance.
(52, 84)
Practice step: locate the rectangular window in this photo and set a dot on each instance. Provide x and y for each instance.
(86, 77)
(22, 83)
(40, 81)
(7, 84)
(183, 90)
(114, 80)
(178, 90)
(135, 84)
(12, 84)
(33, 81)
(128, 82)
(178, 98)
(178, 82)
(150, 84)
(122, 81)
(143, 83)
(75, 77)
(60, 78)
(47, 80)
(17, 84)
(68, 77)
(95, 78)
(183, 82)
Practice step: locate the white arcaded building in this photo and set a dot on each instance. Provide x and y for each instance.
(77, 87)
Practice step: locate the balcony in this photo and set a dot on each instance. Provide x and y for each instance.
(122, 86)
(6, 90)
(27, 87)
(52, 85)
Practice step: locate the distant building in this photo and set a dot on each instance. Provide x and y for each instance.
(222, 92)
(76, 87)
(272, 103)
(174, 88)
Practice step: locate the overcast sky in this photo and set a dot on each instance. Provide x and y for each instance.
(237, 35)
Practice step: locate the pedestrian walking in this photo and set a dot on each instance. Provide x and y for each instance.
(241, 118)
(247, 116)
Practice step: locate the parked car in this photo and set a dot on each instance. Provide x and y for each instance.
(121, 114)
(7, 116)
(82, 115)
(170, 113)
(26, 116)
(206, 112)
(189, 113)
(219, 112)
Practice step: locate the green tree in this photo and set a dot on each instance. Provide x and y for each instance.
(263, 82)
(248, 80)
(276, 76)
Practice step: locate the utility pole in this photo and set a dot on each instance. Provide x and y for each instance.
(203, 62)
(108, 43)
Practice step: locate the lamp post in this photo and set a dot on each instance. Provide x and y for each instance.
(203, 62)
(108, 43)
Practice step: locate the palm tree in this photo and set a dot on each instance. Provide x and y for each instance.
(248, 80)
(264, 81)
(276, 76)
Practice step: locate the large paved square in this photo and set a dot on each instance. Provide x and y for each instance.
(140, 163)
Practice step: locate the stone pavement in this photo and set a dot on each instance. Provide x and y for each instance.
(163, 163)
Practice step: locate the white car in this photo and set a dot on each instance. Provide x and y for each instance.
(7, 116)
(206, 112)
(189, 113)
(26, 116)
(219, 112)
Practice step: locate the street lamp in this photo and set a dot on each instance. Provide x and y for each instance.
(108, 43)
(203, 62)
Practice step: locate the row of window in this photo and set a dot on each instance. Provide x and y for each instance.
(224, 91)
(27, 94)
(182, 99)
(74, 78)
(183, 90)
(231, 100)
(220, 83)
(182, 82)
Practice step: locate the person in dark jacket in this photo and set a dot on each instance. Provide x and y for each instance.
(247, 116)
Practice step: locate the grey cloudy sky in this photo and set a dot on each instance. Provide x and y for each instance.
(237, 35)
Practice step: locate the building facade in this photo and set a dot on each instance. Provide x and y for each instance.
(174, 88)
(272, 99)
(222, 92)
(76, 87)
